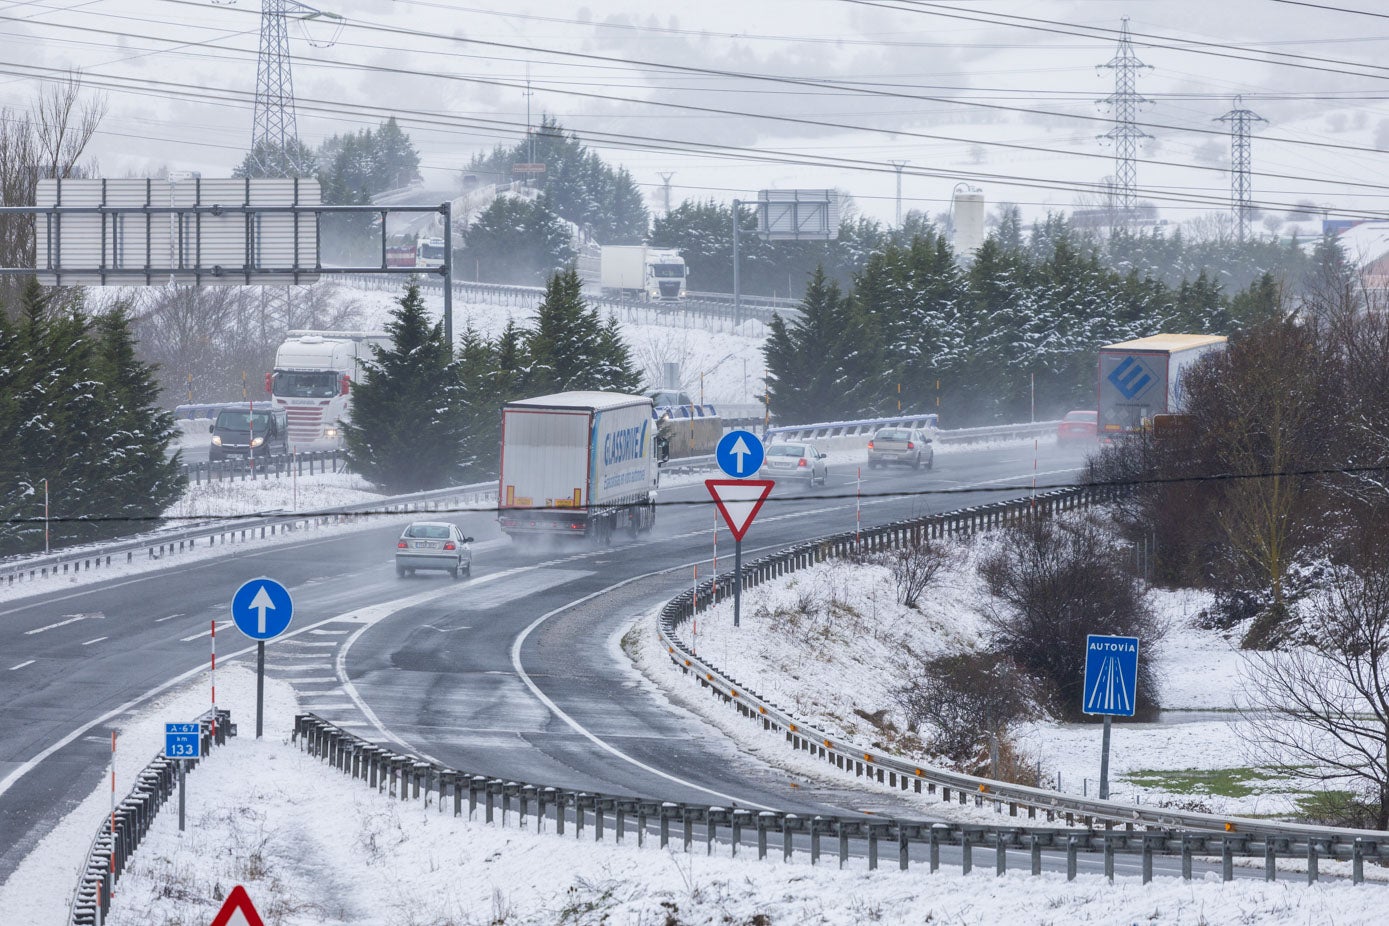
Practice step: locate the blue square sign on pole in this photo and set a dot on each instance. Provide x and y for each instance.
(182, 740)
(1111, 675)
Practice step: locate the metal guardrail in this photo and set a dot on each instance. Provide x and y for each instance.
(1278, 838)
(158, 544)
(120, 835)
(404, 777)
(306, 463)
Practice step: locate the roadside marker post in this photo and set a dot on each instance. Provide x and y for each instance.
(262, 610)
(182, 741)
(1111, 687)
(739, 500)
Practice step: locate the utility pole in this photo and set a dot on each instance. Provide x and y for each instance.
(1124, 103)
(1241, 121)
(665, 184)
(899, 165)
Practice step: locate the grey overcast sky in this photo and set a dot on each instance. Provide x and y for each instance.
(737, 96)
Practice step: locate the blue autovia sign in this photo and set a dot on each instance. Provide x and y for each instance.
(740, 454)
(1111, 675)
(1131, 377)
(182, 740)
(262, 609)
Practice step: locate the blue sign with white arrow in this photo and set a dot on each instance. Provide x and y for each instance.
(182, 740)
(740, 454)
(262, 609)
(1111, 675)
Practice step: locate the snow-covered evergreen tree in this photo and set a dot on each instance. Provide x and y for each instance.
(409, 429)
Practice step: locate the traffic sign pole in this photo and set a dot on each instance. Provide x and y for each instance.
(1104, 761)
(260, 687)
(737, 581)
(182, 792)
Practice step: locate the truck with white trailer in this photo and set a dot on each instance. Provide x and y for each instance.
(312, 381)
(579, 464)
(1142, 378)
(640, 272)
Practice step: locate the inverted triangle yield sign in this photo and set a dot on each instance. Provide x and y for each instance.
(238, 901)
(739, 500)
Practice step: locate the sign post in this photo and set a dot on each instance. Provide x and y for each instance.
(738, 501)
(262, 609)
(182, 741)
(739, 454)
(1111, 687)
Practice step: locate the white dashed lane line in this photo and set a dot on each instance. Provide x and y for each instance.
(97, 640)
(206, 633)
(27, 662)
(160, 620)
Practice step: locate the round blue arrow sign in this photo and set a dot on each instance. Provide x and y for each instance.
(262, 609)
(740, 454)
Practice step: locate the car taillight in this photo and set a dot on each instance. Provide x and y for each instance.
(402, 545)
(801, 462)
(576, 526)
(450, 546)
(911, 445)
(870, 445)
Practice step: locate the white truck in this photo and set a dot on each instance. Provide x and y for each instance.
(1142, 378)
(640, 272)
(579, 464)
(312, 379)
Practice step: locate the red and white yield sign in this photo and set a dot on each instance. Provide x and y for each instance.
(238, 910)
(739, 500)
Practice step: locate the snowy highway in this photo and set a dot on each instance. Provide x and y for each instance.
(516, 672)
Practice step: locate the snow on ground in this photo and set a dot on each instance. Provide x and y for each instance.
(832, 644)
(224, 498)
(315, 848)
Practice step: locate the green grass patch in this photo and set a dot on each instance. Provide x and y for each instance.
(1226, 782)
(1327, 805)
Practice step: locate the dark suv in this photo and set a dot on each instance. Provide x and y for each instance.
(239, 432)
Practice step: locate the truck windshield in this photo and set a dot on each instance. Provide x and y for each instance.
(236, 421)
(432, 251)
(318, 384)
(669, 271)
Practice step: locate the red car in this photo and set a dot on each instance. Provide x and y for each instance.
(1078, 425)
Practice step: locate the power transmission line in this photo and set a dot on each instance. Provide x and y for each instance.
(1125, 135)
(1240, 121)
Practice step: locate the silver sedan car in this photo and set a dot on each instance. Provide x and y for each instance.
(433, 545)
(795, 461)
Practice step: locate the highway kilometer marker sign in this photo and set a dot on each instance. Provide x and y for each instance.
(182, 741)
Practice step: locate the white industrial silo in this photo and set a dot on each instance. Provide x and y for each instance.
(968, 208)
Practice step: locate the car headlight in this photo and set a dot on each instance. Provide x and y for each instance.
(257, 441)
(217, 440)
(331, 432)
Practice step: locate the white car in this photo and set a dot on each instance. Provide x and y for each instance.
(433, 545)
(794, 461)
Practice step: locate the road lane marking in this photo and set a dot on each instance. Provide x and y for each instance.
(160, 620)
(27, 662)
(206, 633)
(331, 633)
(97, 640)
(72, 619)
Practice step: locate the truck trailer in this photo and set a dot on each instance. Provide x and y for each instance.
(312, 379)
(639, 272)
(1142, 378)
(579, 464)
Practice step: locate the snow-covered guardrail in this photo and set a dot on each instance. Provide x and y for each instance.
(158, 544)
(119, 835)
(866, 427)
(503, 801)
(305, 463)
(1276, 839)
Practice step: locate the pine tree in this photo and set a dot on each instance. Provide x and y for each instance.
(409, 429)
(476, 370)
(515, 241)
(828, 364)
(571, 348)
